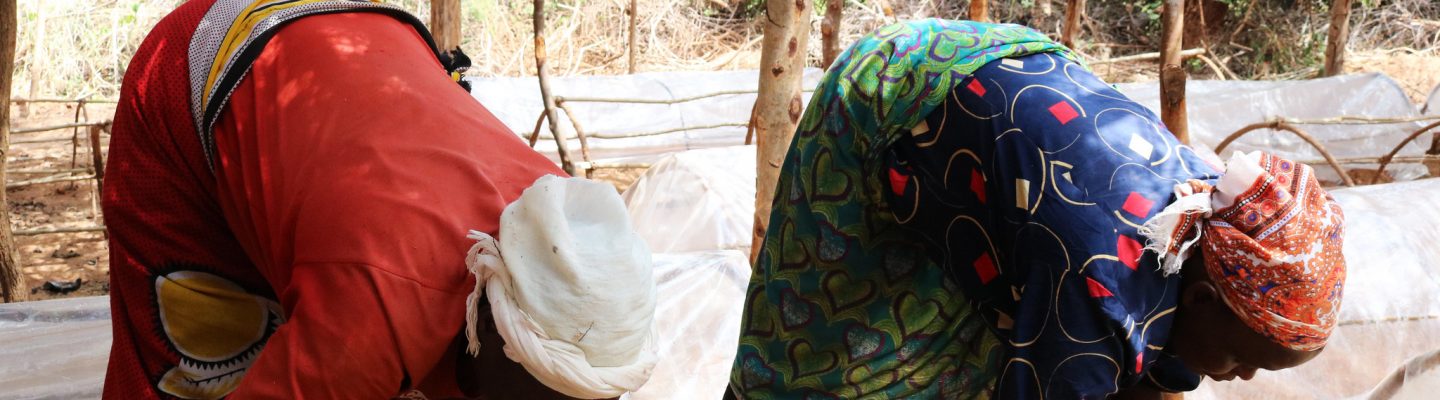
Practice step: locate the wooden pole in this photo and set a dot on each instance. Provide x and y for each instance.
(1074, 12)
(830, 32)
(634, 32)
(97, 158)
(10, 278)
(550, 114)
(445, 23)
(779, 103)
(579, 130)
(980, 10)
(1172, 70)
(1339, 35)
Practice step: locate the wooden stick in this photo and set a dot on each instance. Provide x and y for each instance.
(544, 77)
(445, 24)
(47, 140)
(57, 127)
(46, 171)
(1172, 71)
(980, 10)
(19, 100)
(1386, 159)
(619, 165)
(97, 159)
(1339, 35)
(1282, 126)
(9, 267)
(535, 134)
(75, 134)
(49, 179)
(579, 131)
(583, 99)
(634, 32)
(750, 126)
(74, 229)
(1186, 54)
(830, 32)
(1074, 12)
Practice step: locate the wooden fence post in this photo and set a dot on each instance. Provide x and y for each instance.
(980, 10)
(544, 77)
(10, 277)
(445, 23)
(1339, 36)
(1172, 70)
(1074, 13)
(830, 32)
(779, 103)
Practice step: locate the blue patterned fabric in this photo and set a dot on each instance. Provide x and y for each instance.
(1029, 185)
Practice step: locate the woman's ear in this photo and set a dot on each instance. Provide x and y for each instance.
(1199, 295)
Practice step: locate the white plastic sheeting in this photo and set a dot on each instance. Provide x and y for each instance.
(516, 102)
(58, 349)
(696, 200)
(54, 349)
(1390, 313)
(699, 314)
(1432, 107)
(1418, 379)
(1218, 108)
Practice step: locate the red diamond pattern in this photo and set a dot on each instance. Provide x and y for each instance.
(1096, 289)
(976, 87)
(977, 184)
(1138, 205)
(898, 182)
(1063, 112)
(985, 268)
(1128, 250)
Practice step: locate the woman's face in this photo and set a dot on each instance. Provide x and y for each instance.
(1211, 340)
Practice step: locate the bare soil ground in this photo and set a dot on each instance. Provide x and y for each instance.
(65, 257)
(60, 257)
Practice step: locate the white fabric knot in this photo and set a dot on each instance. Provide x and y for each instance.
(571, 269)
(1166, 232)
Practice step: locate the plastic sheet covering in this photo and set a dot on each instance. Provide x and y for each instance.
(701, 296)
(1432, 106)
(1390, 312)
(696, 200)
(55, 349)
(58, 349)
(1218, 108)
(516, 102)
(1418, 379)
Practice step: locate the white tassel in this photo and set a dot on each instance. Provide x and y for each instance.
(482, 260)
(1159, 231)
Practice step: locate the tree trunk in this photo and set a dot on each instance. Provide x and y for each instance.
(634, 15)
(1172, 70)
(980, 10)
(1339, 35)
(1074, 12)
(545, 96)
(445, 23)
(779, 103)
(830, 32)
(10, 278)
